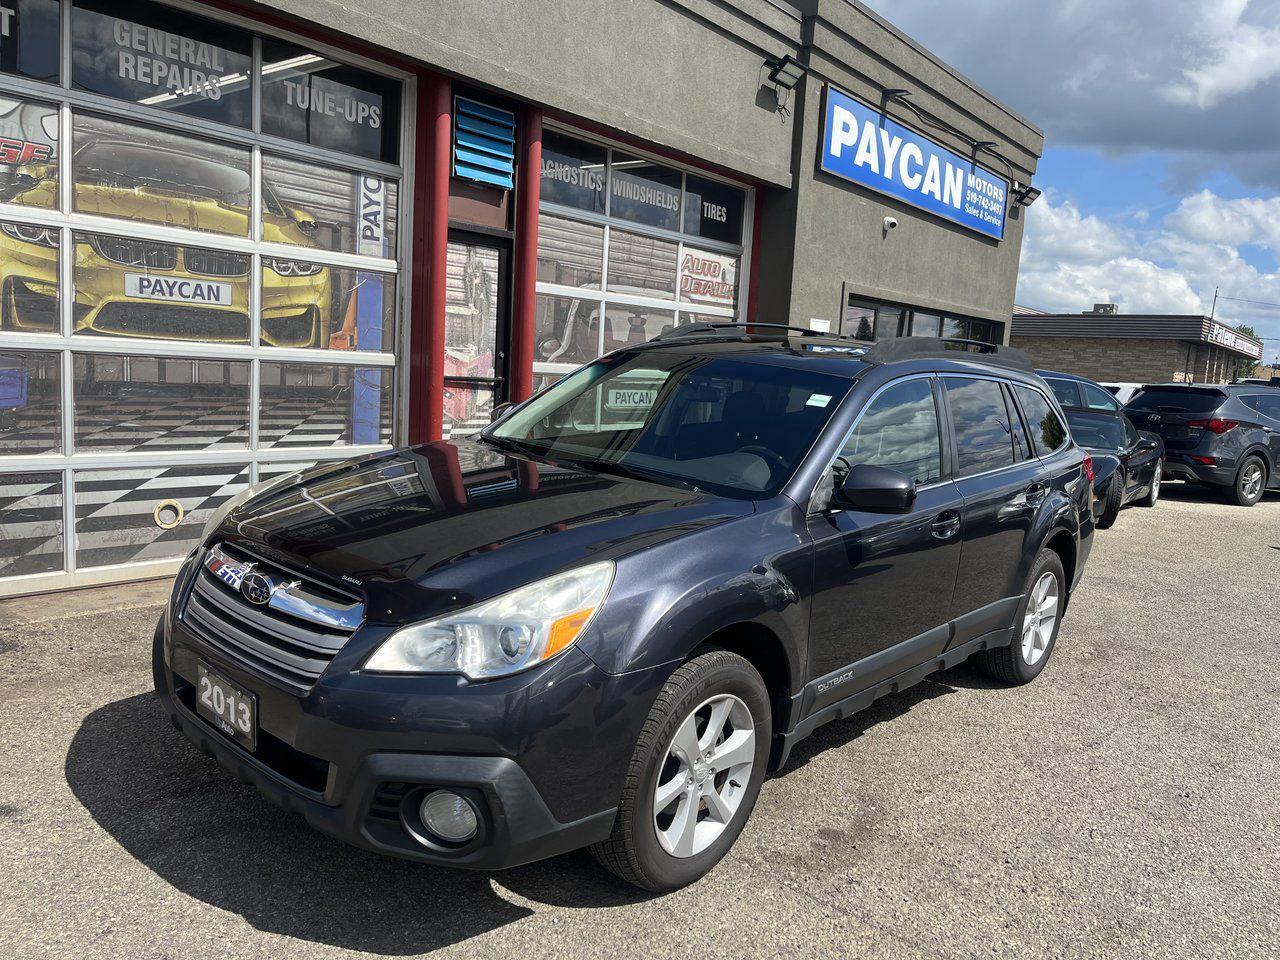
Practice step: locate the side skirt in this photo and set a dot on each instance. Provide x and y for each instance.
(864, 698)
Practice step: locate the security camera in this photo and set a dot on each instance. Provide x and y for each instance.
(890, 223)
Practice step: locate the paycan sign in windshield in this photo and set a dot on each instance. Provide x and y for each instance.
(868, 148)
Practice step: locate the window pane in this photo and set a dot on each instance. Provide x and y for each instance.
(139, 173)
(30, 523)
(981, 423)
(1047, 430)
(626, 325)
(321, 207)
(1095, 398)
(572, 172)
(30, 402)
(709, 278)
(1066, 391)
(326, 308)
(858, 319)
(28, 278)
(318, 405)
(138, 514)
(889, 322)
(898, 431)
(28, 153)
(925, 324)
(327, 104)
(570, 253)
(566, 330)
(642, 265)
(471, 311)
(151, 289)
(645, 192)
(955, 328)
(29, 39)
(713, 210)
(466, 409)
(161, 57)
(160, 403)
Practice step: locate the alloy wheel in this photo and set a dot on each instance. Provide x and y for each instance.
(704, 776)
(1040, 619)
(1251, 480)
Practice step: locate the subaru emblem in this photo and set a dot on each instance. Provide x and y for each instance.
(256, 588)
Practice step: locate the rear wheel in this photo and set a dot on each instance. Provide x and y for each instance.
(1251, 480)
(694, 776)
(1111, 510)
(1036, 627)
(1153, 494)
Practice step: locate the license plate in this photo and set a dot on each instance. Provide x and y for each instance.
(227, 707)
(177, 289)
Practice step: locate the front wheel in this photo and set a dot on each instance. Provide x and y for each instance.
(1036, 627)
(694, 776)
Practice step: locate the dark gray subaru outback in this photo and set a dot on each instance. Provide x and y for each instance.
(604, 620)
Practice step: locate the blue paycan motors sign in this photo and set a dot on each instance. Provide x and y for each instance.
(867, 148)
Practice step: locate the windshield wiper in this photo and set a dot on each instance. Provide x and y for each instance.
(639, 473)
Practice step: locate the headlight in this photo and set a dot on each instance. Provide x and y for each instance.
(505, 635)
(41, 236)
(246, 494)
(292, 268)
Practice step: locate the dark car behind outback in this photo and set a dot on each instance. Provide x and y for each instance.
(1226, 437)
(602, 622)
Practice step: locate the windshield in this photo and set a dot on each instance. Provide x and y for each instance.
(1091, 430)
(730, 426)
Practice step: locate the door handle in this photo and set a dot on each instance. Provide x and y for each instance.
(945, 525)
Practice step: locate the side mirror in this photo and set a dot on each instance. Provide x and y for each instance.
(499, 411)
(1148, 441)
(877, 490)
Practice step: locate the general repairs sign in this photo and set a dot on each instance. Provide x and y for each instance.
(866, 147)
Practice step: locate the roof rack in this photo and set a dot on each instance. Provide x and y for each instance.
(947, 348)
(704, 328)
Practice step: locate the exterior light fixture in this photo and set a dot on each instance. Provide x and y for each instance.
(1025, 194)
(786, 73)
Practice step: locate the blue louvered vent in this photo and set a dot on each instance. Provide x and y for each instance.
(484, 143)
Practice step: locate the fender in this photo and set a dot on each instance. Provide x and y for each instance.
(1264, 451)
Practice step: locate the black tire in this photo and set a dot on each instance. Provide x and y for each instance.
(1236, 493)
(1111, 510)
(1008, 664)
(633, 850)
(1153, 492)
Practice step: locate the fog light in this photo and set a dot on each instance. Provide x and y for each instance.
(449, 816)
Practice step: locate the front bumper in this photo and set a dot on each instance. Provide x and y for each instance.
(350, 759)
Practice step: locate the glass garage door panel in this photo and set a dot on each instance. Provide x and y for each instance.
(127, 516)
(29, 157)
(321, 207)
(323, 307)
(30, 402)
(160, 403)
(30, 523)
(321, 405)
(28, 277)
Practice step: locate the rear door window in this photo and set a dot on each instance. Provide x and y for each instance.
(984, 436)
(1067, 392)
(1095, 398)
(1047, 429)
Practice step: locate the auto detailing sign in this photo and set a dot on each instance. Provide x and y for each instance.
(867, 148)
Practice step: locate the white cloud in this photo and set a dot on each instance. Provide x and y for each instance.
(1237, 57)
(1211, 219)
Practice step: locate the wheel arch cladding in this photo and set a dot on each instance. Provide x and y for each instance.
(1064, 545)
(765, 651)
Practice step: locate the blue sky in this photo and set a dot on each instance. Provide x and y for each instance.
(1161, 173)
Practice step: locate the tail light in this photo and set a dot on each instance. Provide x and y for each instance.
(1088, 468)
(1216, 425)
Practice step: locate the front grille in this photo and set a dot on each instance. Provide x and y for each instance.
(291, 651)
(172, 320)
(214, 263)
(135, 253)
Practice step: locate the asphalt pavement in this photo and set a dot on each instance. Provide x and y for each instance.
(1126, 804)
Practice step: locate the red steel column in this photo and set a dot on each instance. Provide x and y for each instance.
(526, 254)
(431, 242)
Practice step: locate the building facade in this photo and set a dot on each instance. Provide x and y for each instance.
(241, 238)
(1122, 348)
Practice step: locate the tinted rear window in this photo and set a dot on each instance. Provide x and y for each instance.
(984, 440)
(1177, 400)
(1046, 426)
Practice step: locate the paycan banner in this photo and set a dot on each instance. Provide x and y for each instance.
(866, 147)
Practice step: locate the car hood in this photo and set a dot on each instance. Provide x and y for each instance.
(438, 526)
